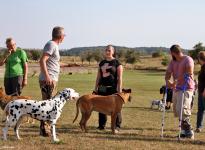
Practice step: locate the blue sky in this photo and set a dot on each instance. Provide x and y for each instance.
(129, 23)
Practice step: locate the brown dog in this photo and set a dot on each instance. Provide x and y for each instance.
(5, 99)
(109, 105)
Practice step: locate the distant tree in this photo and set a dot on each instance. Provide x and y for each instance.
(131, 57)
(196, 49)
(165, 61)
(89, 56)
(121, 54)
(97, 55)
(157, 54)
(83, 57)
(35, 54)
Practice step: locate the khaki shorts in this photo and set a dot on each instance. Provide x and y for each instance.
(47, 91)
(177, 101)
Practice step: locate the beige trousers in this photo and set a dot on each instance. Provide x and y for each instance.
(177, 102)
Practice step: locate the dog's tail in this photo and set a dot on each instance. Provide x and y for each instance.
(77, 110)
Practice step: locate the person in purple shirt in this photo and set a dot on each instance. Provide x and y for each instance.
(179, 66)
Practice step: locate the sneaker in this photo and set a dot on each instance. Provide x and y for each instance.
(117, 129)
(198, 130)
(101, 128)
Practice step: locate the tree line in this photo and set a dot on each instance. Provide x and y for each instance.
(125, 55)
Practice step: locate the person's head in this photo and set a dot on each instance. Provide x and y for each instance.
(10, 44)
(201, 57)
(175, 51)
(58, 34)
(109, 52)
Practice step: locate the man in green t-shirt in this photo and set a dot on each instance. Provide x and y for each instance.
(16, 68)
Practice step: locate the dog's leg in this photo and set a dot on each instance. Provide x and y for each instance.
(53, 128)
(82, 121)
(5, 129)
(151, 106)
(87, 116)
(113, 121)
(16, 128)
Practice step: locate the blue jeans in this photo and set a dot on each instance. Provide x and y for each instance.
(201, 109)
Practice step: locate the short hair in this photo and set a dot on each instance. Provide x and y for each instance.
(8, 40)
(57, 32)
(175, 49)
(201, 55)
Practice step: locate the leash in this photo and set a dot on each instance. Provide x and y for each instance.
(183, 89)
(14, 94)
(119, 96)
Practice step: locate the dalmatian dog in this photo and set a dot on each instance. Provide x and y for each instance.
(157, 103)
(45, 110)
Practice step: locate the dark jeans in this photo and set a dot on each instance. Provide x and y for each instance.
(13, 86)
(102, 117)
(201, 109)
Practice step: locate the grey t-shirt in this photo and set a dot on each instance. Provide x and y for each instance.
(52, 63)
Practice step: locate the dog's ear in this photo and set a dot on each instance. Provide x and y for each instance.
(127, 90)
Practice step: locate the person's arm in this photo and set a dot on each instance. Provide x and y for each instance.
(5, 58)
(190, 69)
(168, 76)
(97, 81)
(44, 69)
(25, 74)
(119, 78)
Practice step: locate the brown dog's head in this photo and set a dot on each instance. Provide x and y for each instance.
(125, 94)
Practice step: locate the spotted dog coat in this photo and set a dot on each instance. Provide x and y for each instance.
(157, 103)
(46, 110)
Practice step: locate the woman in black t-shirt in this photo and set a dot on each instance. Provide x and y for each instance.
(109, 81)
(201, 92)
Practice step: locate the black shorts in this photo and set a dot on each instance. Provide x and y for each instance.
(13, 86)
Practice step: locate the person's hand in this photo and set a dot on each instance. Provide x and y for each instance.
(24, 83)
(203, 94)
(8, 53)
(48, 80)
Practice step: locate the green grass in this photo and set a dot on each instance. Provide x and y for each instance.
(141, 126)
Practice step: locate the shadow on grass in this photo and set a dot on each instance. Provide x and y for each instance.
(138, 137)
(93, 133)
(146, 109)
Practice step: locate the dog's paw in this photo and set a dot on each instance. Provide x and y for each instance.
(56, 140)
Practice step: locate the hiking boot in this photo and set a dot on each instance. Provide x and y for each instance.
(198, 130)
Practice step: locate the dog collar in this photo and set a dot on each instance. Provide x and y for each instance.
(120, 97)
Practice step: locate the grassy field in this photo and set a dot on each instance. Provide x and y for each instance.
(140, 128)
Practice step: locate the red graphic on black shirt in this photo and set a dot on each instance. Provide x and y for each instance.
(104, 69)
